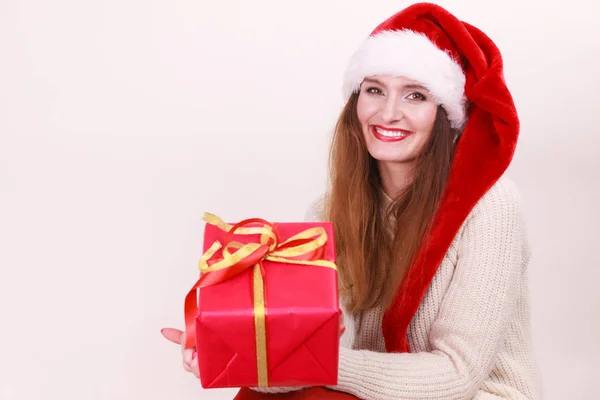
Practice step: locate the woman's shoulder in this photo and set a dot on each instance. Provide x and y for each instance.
(503, 198)
(316, 209)
(498, 215)
(502, 201)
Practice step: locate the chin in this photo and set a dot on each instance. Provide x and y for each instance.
(392, 158)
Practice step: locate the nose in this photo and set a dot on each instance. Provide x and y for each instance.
(392, 110)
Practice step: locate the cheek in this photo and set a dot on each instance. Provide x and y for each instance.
(426, 118)
(365, 109)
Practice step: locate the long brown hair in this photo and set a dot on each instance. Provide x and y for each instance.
(372, 262)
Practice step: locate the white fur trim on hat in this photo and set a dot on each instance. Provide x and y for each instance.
(412, 55)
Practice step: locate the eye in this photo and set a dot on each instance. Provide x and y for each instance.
(373, 90)
(417, 96)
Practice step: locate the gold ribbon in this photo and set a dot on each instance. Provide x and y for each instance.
(309, 244)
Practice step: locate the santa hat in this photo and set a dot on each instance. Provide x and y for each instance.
(459, 65)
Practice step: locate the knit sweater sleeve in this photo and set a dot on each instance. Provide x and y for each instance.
(468, 331)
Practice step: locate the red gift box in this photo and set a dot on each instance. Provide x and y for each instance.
(268, 312)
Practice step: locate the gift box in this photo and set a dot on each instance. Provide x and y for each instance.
(267, 313)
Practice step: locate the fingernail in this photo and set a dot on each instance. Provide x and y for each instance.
(194, 355)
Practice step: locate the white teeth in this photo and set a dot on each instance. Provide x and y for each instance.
(391, 133)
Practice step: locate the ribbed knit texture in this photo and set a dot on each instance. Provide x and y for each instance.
(470, 338)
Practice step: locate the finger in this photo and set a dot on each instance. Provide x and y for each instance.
(172, 335)
(194, 367)
(188, 356)
(187, 367)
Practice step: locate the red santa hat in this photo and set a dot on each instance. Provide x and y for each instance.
(463, 70)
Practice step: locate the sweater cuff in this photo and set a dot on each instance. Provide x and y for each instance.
(277, 389)
(349, 380)
(350, 362)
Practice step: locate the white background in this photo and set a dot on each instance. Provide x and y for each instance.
(122, 121)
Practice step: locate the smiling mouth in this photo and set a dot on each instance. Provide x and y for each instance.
(389, 135)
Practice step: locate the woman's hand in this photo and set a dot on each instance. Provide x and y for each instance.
(342, 327)
(190, 360)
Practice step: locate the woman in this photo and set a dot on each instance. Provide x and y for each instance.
(432, 247)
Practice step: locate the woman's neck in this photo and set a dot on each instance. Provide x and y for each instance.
(395, 177)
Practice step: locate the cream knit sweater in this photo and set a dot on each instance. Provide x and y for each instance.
(470, 338)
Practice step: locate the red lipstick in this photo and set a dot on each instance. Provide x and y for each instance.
(389, 134)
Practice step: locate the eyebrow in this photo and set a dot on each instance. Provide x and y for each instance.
(409, 86)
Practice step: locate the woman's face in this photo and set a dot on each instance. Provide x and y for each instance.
(397, 116)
